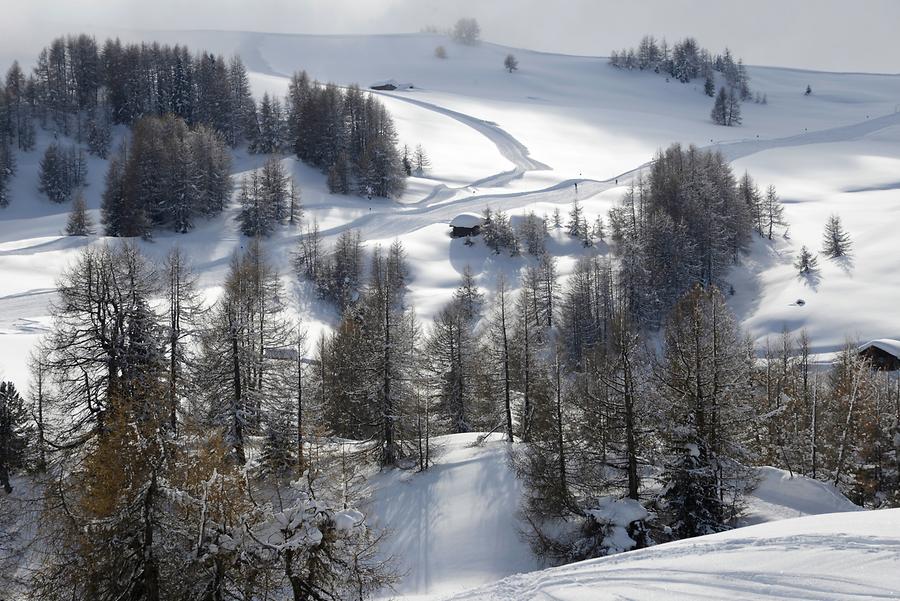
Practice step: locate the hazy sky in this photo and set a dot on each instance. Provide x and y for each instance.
(857, 35)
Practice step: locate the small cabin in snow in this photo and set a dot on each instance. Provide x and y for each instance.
(465, 225)
(883, 353)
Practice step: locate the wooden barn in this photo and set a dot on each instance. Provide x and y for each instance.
(466, 225)
(883, 353)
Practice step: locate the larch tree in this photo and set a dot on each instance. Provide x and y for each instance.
(836, 241)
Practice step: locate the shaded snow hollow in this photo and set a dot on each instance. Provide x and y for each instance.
(455, 526)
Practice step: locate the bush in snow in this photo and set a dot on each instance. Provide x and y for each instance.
(511, 63)
(612, 526)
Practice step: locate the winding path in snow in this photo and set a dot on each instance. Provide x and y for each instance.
(435, 207)
(508, 146)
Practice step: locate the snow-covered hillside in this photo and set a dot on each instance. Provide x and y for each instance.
(456, 526)
(520, 142)
(835, 556)
(517, 142)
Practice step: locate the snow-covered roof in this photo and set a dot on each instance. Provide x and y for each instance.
(887, 345)
(467, 220)
(391, 83)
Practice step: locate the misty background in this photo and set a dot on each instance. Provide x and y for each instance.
(833, 35)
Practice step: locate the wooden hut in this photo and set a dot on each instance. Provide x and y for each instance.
(466, 225)
(883, 353)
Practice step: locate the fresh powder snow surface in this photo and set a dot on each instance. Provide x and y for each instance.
(837, 556)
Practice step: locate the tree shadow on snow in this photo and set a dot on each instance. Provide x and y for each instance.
(811, 278)
(846, 263)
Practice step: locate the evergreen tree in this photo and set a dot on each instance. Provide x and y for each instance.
(733, 108)
(15, 434)
(772, 211)
(79, 223)
(691, 496)
(806, 262)
(406, 161)
(7, 169)
(420, 161)
(533, 233)
(62, 171)
(709, 88)
(836, 242)
(705, 376)
(575, 226)
(720, 108)
(99, 134)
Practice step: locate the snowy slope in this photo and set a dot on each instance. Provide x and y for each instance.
(838, 556)
(779, 495)
(516, 142)
(455, 526)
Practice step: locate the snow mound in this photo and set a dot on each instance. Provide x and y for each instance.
(828, 557)
(779, 495)
(618, 512)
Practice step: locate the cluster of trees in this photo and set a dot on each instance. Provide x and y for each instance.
(565, 367)
(529, 232)
(63, 171)
(80, 89)
(346, 133)
(172, 425)
(685, 61)
(726, 108)
(17, 130)
(81, 85)
(167, 176)
(839, 425)
(268, 197)
(466, 31)
(416, 162)
(687, 222)
(139, 424)
(336, 274)
(836, 244)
